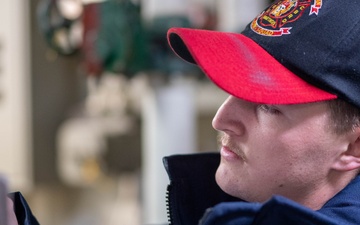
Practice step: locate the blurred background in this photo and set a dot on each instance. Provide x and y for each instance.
(92, 99)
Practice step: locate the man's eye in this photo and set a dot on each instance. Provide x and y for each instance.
(269, 109)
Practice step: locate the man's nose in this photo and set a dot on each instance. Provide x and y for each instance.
(230, 116)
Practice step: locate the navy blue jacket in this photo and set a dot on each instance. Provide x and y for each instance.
(194, 198)
(22, 210)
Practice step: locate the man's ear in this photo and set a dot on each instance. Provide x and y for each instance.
(350, 159)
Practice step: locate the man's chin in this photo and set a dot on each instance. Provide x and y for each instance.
(231, 183)
(225, 180)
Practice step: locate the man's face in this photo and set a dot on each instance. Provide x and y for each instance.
(276, 149)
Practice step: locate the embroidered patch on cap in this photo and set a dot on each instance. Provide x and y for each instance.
(277, 19)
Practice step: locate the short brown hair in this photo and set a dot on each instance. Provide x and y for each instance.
(344, 116)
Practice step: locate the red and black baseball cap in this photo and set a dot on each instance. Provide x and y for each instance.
(295, 51)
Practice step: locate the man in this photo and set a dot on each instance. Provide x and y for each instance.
(290, 130)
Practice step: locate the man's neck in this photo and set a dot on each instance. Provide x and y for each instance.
(324, 191)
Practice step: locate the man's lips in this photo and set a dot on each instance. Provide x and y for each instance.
(230, 154)
(230, 149)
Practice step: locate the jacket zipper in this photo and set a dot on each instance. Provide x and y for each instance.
(169, 205)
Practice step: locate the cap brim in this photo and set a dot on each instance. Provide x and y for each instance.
(242, 68)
